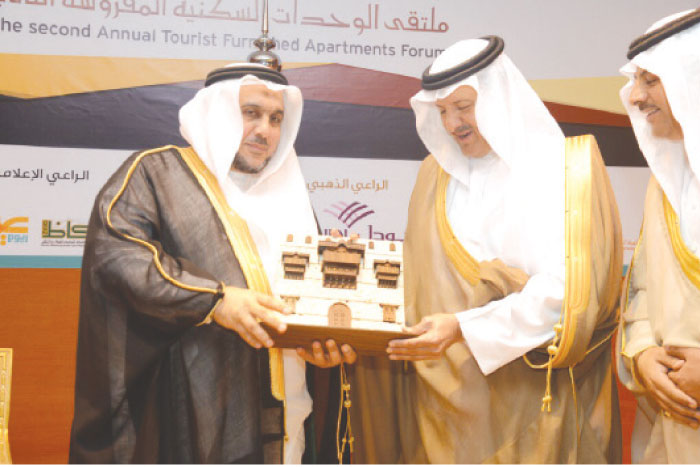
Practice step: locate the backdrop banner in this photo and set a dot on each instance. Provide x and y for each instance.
(85, 83)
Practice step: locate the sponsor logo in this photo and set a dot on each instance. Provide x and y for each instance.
(14, 230)
(350, 213)
(372, 233)
(62, 233)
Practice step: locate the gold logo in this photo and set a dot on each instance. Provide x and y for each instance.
(11, 228)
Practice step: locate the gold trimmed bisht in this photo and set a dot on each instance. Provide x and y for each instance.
(241, 241)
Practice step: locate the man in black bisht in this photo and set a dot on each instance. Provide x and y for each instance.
(172, 363)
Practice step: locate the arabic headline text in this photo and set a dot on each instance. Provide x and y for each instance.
(367, 19)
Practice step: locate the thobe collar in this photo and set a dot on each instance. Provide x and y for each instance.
(244, 181)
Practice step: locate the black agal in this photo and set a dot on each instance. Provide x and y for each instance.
(652, 38)
(465, 69)
(267, 74)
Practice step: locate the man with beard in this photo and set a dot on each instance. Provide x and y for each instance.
(659, 334)
(173, 365)
(513, 259)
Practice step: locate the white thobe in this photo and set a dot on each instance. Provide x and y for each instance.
(502, 330)
(690, 210)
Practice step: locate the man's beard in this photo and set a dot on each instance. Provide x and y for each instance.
(241, 165)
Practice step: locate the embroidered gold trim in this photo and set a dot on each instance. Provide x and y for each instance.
(150, 247)
(577, 288)
(465, 264)
(210, 316)
(5, 387)
(690, 264)
(577, 283)
(239, 237)
(601, 342)
(577, 235)
(243, 247)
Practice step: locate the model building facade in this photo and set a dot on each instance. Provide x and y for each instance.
(340, 282)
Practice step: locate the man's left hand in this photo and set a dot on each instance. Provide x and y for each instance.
(687, 378)
(332, 357)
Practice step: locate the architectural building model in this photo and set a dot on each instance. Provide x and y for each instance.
(340, 282)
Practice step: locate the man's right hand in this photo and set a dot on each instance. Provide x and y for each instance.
(653, 365)
(241, 310)
(435, 334)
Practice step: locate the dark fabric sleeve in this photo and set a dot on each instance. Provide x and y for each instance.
(171, 297)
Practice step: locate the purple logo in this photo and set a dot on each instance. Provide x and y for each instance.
(349, 214)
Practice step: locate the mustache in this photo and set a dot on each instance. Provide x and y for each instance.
(463, 129)
(642, 106)
(258, 140)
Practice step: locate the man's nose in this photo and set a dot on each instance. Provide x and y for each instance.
(453, 121)
(638, 95)
(262, 128)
